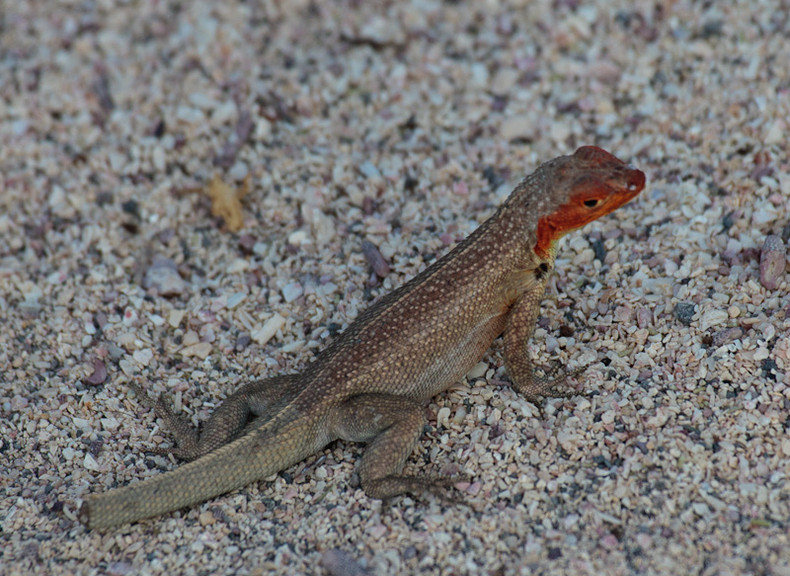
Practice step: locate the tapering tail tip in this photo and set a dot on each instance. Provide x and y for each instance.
(84, 515)
(102, 519)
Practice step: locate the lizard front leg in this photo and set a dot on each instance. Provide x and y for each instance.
(251, 405)
(518, 331)
(391, 425)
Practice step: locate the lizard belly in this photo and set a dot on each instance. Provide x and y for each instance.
(452, 364)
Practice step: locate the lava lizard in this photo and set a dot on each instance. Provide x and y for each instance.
(372, 382)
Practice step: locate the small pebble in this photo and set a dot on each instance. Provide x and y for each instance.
(162, 277)
(369, 170)
(99, 374)
(644, 318)
(200, 350)
(175, 317)
(235, 299)
(725, 336)
(19, 403)
(518, 127)
(711, 318)
(684, 312)
(143, 357)
(773, 262)
(263, 334)
(338, 562)
(478, 371)
(375, 259)
(405, 127)
(292, 291)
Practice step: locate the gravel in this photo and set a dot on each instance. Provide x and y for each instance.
(329, 125)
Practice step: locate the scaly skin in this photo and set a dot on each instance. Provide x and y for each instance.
(372, 382)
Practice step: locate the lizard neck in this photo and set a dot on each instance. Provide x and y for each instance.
(518, 224)
(547, 236)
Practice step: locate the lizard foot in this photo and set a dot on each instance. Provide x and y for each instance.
(437, 485)
(186, 447)
(552, 385)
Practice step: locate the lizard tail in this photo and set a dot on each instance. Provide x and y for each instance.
(252, 457)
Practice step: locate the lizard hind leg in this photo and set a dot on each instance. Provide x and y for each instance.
(251, 405)
(392, 426)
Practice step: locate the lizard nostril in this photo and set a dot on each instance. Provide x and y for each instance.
(636, 180)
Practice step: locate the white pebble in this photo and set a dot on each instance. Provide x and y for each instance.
(143, 357)
(518, 126)
(443, 417)
(90, 462)
(265, 333)
(369, 170)
(202, 101)
(298, 238)
(159, 158)
(775, 134)
(223, 113)
(235, 299)
(292, 291)
(238, 265)
(109, 424)
(263, 129)
(477, 371)
(239, 171)
(175, 317)
(479, 76)
(80, 423)
(712, 318)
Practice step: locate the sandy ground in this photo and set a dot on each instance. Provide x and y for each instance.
(403, 125)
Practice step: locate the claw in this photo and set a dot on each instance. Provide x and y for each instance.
(436, 485)
(143, 396)
(552, 385)
(439, 486)
(163, 411)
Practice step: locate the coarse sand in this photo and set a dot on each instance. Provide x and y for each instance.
(129, 253)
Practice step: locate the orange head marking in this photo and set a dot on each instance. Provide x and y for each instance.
(596, 183)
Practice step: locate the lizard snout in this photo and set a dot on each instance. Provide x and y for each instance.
(635, 180)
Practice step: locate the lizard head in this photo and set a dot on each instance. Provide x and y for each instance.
(589, 184)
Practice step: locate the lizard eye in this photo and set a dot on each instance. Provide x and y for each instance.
(591, 203)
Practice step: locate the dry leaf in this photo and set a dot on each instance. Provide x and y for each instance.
(226, 201)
